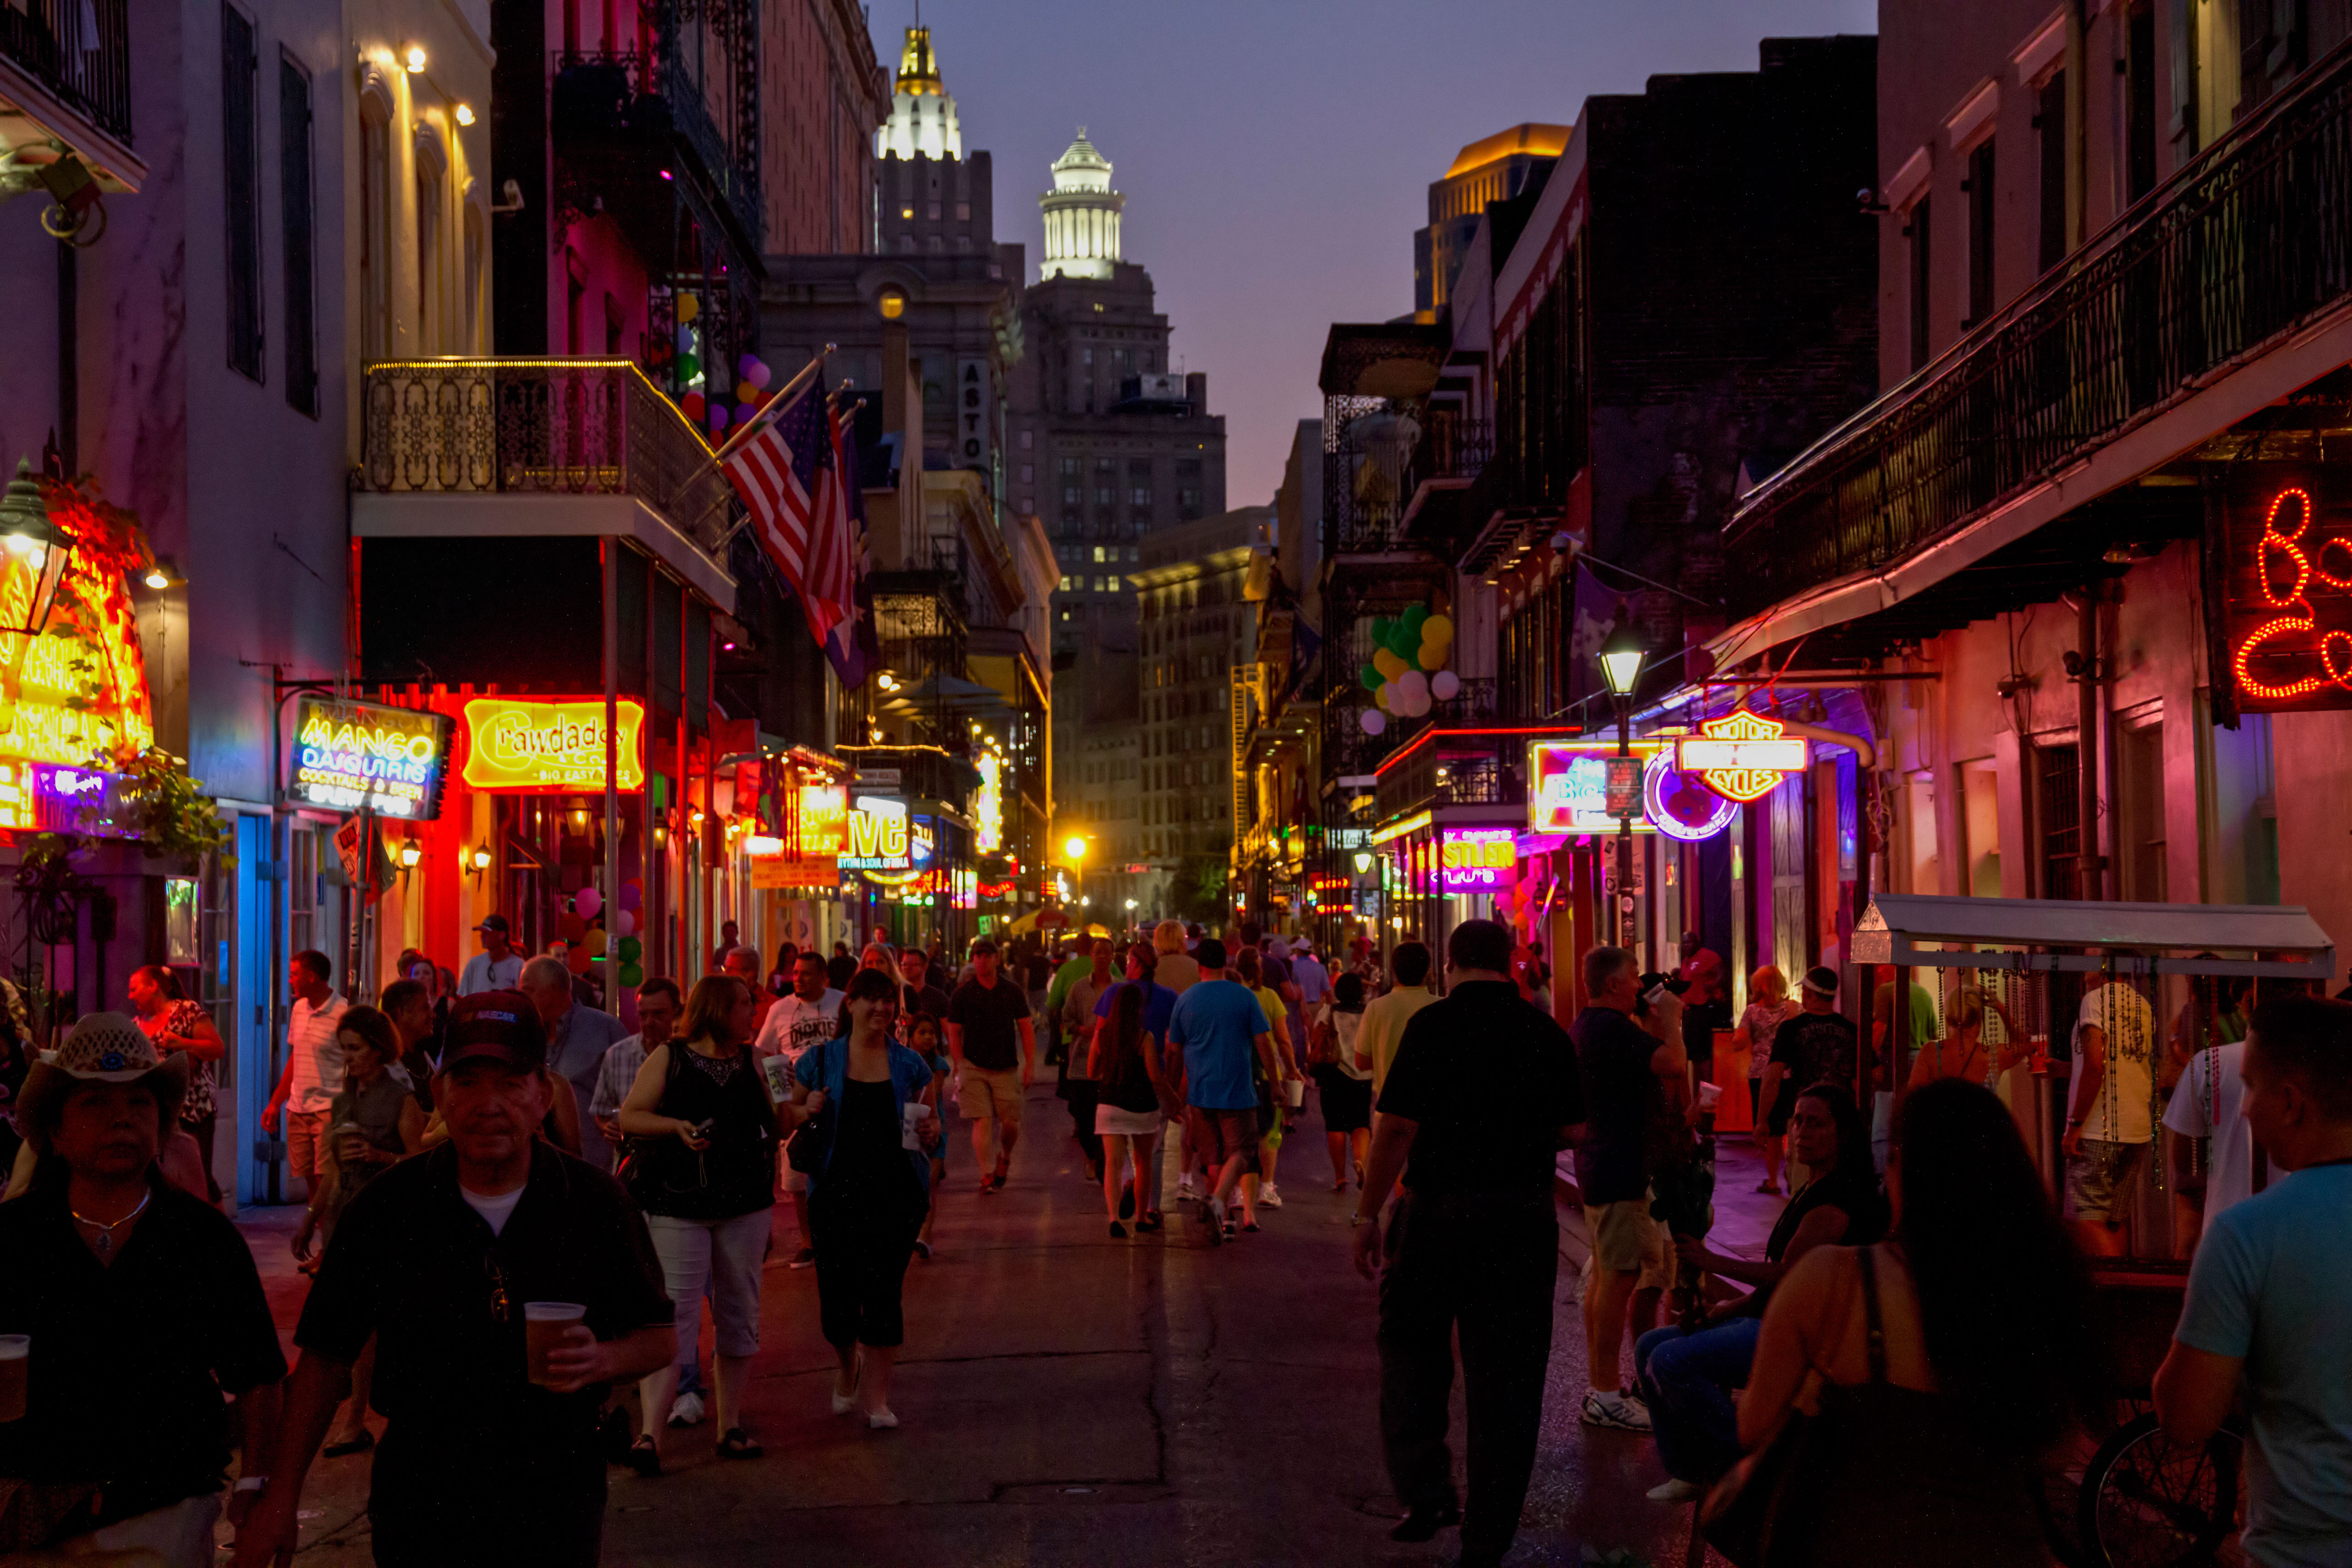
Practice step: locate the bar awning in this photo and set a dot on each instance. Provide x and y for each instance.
(1921, 931)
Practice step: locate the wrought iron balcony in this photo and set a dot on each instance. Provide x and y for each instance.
(2228, 259)
(1382, 459)
(79, 52)
(540, 426)
(600, 96)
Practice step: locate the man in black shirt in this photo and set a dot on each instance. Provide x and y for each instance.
(1483, 1094)
(142, 1305)
(438, 1257)
(1621, 1064)
(994, 1044)
(1817, 1046)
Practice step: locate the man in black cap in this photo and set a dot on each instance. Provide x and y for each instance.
(439, 1258)
(498, 967)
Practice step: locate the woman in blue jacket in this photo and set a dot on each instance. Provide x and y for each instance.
(871, 1186)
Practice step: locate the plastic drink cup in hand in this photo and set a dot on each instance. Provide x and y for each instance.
(544, 1326)
(15, 1364)
(911, 1119)
(1709, 1095)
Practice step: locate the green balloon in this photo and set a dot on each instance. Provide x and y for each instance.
(689, 367)
(1414, 617)
(1406, 642)
(1372, 676)
(632, 974)
(1381, 627)
(632, 949)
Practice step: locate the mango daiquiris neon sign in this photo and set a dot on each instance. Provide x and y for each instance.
(394, 761)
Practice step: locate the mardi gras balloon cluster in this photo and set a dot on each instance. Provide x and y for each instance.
(1407, 672)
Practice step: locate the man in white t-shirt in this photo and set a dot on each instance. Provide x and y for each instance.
(2205, 1104)
(498, 967)
(314, 1064)
(2109, 1129)
(807, 1015)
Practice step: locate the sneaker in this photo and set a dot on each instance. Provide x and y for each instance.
(1267, 1198)
(1673, 1491)
(1184, 1193)
(686, 1410)
(804, 1258)
(1615, 1410)
(1213, 1219)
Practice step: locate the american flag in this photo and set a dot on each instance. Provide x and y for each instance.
(798, 475)
(787, 477)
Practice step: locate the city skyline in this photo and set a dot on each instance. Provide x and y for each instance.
(1349, 202)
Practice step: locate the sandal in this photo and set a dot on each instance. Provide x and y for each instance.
(1772, 1187)
(342, 1446)
(1250, 1227)
(643, 1458)
(1151, 1221)
(739, 1445)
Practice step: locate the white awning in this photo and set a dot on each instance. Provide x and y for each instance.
(1920, 931)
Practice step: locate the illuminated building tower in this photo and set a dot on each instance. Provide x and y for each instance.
(922, 121)
(1081, 215)
(1498, 168)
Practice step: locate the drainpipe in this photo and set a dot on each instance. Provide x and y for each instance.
(2078, 172)
(2088, 683)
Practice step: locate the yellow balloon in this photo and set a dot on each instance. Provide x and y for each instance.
(1432, 655)
(596, 945)
(745, 392)
(689, 307)
(1388, 663)
(1438, 629)
(1381, 697)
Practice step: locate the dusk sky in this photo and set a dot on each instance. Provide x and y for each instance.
(1276, 155)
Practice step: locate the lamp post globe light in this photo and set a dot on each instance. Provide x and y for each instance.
(1621, 667)
(26, 531)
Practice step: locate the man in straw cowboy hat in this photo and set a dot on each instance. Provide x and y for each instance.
(139, 1307)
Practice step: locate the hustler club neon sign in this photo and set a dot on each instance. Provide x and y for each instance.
(2290, 603)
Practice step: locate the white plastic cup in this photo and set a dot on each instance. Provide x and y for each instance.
(545, 1325)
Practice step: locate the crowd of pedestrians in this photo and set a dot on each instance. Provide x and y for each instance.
(517, 1205)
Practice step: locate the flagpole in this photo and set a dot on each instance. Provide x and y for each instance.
(838, 395)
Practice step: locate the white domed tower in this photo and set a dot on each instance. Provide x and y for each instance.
(922, 116)
(1082, 214)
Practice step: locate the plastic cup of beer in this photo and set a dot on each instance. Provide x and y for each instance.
(15, 1362)
(544, 1326)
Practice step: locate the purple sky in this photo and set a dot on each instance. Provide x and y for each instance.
(1276, 155)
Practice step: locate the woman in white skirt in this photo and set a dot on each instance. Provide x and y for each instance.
(1126, 1063)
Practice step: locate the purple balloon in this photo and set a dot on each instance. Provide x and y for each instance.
(633, 895)
(744, 411)
(587, 902)
(743, 366)
(717, 416)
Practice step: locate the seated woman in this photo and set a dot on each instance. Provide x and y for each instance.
(1953, 1355)
(1688, 1378)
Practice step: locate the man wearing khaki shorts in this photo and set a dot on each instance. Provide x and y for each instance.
(1621, 1063)
(993, 1041)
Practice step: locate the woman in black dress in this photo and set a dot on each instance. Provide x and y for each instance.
(871, 1186)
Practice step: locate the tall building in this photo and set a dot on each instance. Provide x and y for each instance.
(922, 121)
(1110, 444)
(929, 198)
(1493, 168)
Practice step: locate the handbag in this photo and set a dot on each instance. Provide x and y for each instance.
(1754, 1511)
(647, 1165)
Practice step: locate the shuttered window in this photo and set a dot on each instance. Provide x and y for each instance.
(241, 184)
(298, 237)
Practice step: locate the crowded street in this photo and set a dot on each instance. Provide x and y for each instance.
(1523, 783)
(1069, 1400)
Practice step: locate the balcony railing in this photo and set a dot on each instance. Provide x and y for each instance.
(2233, 255)
(1376, 456)
(600, 93)
(77, 49)
(540, 426)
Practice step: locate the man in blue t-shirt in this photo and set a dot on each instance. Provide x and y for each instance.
(1212, 1033)
(2270, 1297)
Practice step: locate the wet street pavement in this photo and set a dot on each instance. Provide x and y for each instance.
(1065, 1398)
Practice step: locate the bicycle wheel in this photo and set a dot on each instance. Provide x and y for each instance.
(2147, 1502)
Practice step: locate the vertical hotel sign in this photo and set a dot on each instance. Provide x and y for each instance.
(2285, 584)
(519, 746)
(393, 761)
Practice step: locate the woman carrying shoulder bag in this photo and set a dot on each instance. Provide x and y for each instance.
(870, 1187)
(702, 1164)
(1943, 1364)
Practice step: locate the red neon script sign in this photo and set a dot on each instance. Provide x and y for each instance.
(2289, 617)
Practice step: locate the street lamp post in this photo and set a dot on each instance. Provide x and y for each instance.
(1621, 666)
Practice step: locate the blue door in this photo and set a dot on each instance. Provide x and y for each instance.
(252, 982)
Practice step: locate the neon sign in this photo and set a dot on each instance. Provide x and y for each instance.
(1474, 859)
(2289, 615)
(1568, 785)
(517, 746)
(1679, 807)
(350, 754)
(77, 695)
(988, 805)
(1742, 755)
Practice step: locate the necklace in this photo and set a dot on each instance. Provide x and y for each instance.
(105, 1242)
